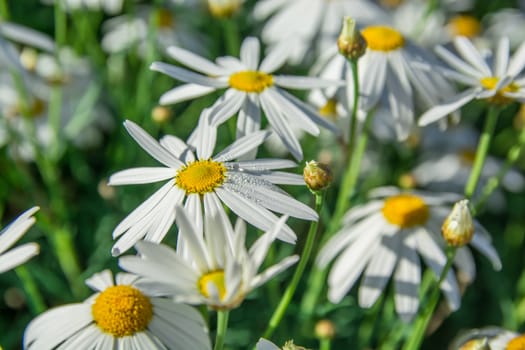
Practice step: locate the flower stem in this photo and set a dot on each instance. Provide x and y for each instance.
(414, 342)
(493, 183)
(318, 276)
(231, 36)
(290, 290)
(222, 326)
(4, 14)
(482, 150)
(36, 302)
(325, 344)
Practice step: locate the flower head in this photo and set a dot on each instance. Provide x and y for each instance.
(121, 315)
(203, 181)
(213, 268)
(386, 237)
(251, 86)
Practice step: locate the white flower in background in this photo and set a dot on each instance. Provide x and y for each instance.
(303, 24)
(503, 23)
(494, 79)
(10, 235)
(119, 315)
(386, 237)
(250, 87)
(246, 187)
(130, 31)
(491, 338)
(217, 270)
(446, 162)
(82, 117)
(111, 7)
(388, 76)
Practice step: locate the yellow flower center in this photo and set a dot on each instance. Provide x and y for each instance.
(201, 176)
(329, 109)
(251, 81)
(224, 8)
(122, 311)
(164, 18)
(216, 278)
(406, 210)
(383, 38)
(467, 156)
(464, 25)
(490, 83)
(517, 343)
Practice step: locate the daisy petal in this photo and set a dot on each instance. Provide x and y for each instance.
(195, 62)
(186, 75)
(184, 92)
(141, 176)
(447, 107)
(250, 49)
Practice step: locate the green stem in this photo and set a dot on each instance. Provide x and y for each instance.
(325, 344)
(222, 326)
(482, 150)
(348, 182)
(60, 25)
(290, 290)
(318, 276)
(4, 10)
(494, 182)
(231, 36)
(414, 342)
(36, 302)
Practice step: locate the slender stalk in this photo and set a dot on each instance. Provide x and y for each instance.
(494, 182)
(231, 36)
(4, 14)
(318, 276)
(325, 344)
(414, 342)
(222, 326)
(36, 302)
(482, 150)
(290, 290)
(60, 25)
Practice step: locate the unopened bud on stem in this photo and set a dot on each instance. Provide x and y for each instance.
(317, 176)
(351, 43)
(458, 227)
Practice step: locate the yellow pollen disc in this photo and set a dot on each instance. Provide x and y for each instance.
(490, 83)
(164, 18)
(201, 176)
(329, 109)
(122, 311)
(217, 279)
(251, 81)
(383, 38)
(467, 156)
(405, 210)
(464, 25)
(517, 343)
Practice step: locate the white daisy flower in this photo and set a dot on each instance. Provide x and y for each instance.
(217, 270)
(246, 187)
(492, 338)
(385, 237)
(388, 75)
(301, 24)
(12, 233)
(250, 87)
(503, 23)
(119, 315)
(130, 31)
(497, 83)
(446, 162)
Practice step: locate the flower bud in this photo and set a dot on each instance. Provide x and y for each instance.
(289, 345)
(407, 181)
(160, 114)
(458, 227)
(224, 8)
(317, 176)
(351, 43)
(324, 329)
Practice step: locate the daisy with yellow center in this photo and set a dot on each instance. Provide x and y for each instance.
(204, 182)
(499, 83)
(250, 87)
(120, 315)
(214, 268)
(386, 237)
(389, 79)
